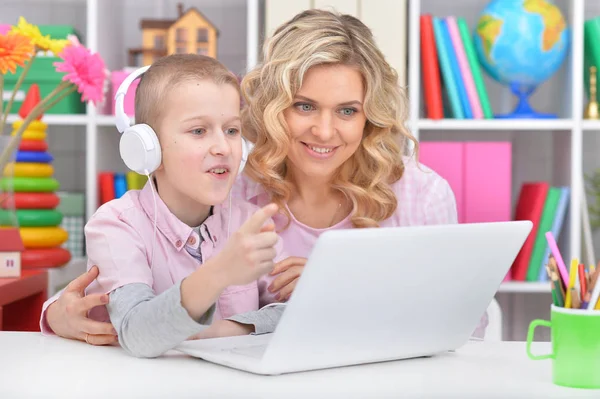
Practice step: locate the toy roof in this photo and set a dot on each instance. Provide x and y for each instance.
(167, 23)
(10, 240)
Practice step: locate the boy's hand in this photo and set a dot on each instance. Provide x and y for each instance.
(289, 271)
(250, 251)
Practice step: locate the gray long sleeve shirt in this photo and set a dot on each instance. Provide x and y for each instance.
(149, 325)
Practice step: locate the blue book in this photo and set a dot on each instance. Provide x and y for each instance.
(559, 218)
(446, 70)
(120, 185)
(460, 84)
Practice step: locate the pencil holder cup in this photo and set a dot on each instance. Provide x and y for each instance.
(575, 336)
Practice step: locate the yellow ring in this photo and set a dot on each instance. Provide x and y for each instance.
(31, 135)
(28, 169)
(43, 237)
(36, 125)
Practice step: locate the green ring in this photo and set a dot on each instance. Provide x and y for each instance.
(31, 217)
(29, 184)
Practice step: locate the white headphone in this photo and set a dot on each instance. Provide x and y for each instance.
(139, 146)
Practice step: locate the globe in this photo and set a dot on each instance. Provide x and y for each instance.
(520, 44)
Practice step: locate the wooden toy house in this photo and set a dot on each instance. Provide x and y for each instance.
(191, 32)
(11, 247)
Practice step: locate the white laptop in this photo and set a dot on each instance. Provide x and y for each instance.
(381, 294)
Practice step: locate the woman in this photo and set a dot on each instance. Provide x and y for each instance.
(326, 116)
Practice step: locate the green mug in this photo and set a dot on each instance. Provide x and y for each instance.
(575, 346)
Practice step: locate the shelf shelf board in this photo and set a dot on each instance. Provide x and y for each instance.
(496, 124)
(593, 125)
(57, 119)
(525, 287)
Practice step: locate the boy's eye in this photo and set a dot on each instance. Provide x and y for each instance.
(348, 111)
(232, 131)
(199, 131)
(304, 107)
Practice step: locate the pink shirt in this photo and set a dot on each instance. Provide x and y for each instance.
(119, 240)
(423, 198)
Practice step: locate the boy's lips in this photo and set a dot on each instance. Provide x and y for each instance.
(219, 171)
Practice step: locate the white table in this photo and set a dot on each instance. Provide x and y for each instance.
(33, 366)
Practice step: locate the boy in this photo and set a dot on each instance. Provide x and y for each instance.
(166, 288)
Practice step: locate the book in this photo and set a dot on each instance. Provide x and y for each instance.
(430, 70)
(447, 74)
(545, 225)
(530, 206)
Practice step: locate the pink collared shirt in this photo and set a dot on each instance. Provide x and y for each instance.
(424, 198)
(120, 237)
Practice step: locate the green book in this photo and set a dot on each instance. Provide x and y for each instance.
(591, 52)
(546, 221)
(475, 68)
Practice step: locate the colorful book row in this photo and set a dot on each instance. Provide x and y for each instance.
(546, 207)
(113, 185)
(448, 56)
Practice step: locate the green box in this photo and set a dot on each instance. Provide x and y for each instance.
(42, 72)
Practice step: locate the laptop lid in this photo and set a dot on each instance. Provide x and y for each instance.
(369, 295)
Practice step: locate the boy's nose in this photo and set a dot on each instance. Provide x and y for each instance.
(220, 146)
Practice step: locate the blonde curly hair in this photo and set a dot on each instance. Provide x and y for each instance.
(319, 37)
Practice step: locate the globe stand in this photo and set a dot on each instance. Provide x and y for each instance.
(523, 110)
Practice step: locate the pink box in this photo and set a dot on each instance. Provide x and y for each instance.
(4, 29)
(116, 78)
(469, 167)
(488, 182)
(446, 159)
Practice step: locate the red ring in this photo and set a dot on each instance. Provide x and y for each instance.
(44, 258)
(33, 145)
(31, 201)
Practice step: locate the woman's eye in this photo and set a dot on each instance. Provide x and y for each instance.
(348, 111)
(232, 131)
(199, 131)
(304, 107)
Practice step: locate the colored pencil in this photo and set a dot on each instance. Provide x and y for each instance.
(576, 301)
(582, 281)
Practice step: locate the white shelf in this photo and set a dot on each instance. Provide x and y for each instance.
(525, 287)
(57, 119)
(593, 125)
(496, 124)
(105, 120)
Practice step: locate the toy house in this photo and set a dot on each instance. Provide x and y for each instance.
(191, 32)
(11, 247)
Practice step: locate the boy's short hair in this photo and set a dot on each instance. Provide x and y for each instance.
(169, 71)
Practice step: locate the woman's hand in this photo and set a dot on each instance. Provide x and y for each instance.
(67, 317)
(289, 271)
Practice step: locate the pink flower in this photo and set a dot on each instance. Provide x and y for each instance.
(85, 70)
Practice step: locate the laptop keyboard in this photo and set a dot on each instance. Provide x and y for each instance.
(256, 351)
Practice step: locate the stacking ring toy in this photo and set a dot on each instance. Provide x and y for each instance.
(43, 237)
(29, 184)
(28, 169)
(44, 257)
(33, 145)
(31, 217)
(32, 134)
(34, 125)
(34, 156)
(30, 201)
